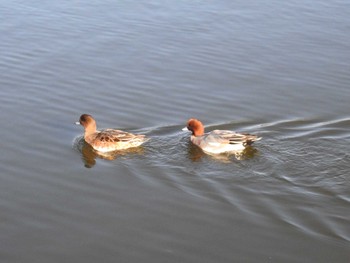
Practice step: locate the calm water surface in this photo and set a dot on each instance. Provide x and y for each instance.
(279, 70)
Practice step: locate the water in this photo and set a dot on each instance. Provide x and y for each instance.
(279, 70)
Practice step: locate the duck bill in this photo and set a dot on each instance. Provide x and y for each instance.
(185, 129)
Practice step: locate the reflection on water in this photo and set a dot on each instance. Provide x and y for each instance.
(195, 154)
(89, 154)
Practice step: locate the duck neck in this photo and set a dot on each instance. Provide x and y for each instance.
(91, 129)
(199, 131)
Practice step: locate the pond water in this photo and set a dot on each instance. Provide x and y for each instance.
(279, 70)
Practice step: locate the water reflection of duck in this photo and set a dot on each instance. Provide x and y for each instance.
(89, 154)
(108, 140)
(218, 141)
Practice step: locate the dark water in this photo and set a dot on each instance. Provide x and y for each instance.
(279, 70)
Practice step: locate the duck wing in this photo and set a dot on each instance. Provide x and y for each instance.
(110, 135)
(231, 137)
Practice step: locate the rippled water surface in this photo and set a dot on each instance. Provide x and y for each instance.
(279, 70)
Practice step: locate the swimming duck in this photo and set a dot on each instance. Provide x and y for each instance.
(109, 139)
(218, 141)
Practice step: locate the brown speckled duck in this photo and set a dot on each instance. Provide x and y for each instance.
(108, 140)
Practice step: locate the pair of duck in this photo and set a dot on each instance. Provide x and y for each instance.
(214, 142)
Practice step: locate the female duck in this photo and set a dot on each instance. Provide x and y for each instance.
(218, 141)
(108, 140)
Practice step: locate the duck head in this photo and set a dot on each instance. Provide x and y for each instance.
(195, 126)
(88, 122)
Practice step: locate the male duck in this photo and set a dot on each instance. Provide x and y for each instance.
(218, 141)
(108, 140)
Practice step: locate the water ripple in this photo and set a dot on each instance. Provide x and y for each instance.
(290, 178)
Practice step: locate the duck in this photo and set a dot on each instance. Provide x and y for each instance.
(218, 141)
(108, 140)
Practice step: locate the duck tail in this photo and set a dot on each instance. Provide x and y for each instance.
(250, 139)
